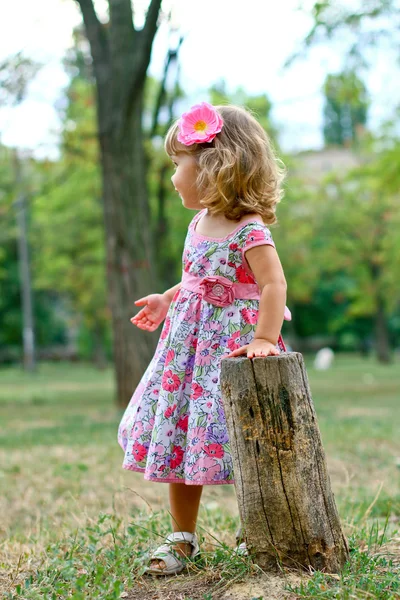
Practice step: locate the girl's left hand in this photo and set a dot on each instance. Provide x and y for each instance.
(258, 347)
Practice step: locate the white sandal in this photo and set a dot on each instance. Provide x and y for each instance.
(241, 550)
(174, 562)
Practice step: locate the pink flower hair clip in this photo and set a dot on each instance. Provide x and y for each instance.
(201, 124)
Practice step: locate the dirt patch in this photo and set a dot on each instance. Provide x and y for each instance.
(184, 587)
(173, 588)
(267, 587)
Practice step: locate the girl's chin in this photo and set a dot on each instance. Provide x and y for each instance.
(190, 205)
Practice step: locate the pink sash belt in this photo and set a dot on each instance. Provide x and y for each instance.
(221, 291)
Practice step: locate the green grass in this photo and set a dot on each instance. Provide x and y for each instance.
(75, 525)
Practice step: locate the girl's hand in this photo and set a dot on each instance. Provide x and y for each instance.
(153, 313)
(258, 347)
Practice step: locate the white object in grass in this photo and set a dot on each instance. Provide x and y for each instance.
(324, 359)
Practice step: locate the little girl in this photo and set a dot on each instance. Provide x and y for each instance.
(230, 302)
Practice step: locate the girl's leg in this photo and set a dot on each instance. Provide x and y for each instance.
(184, 506)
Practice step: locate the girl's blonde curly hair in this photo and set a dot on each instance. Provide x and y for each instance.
(238, 172)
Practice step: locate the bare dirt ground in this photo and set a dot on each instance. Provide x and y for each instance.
(260, 586)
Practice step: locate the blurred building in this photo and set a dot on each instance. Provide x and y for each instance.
(313, 165)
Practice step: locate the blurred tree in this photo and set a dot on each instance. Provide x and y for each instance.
(49, 328)
(366, 25)
(10, 297)
(78, 61)
(361, 26)
(16, 73)
(359, 222)
(345, 108)
(121, 55)
(68, 231)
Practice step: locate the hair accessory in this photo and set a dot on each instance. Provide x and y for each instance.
(200, 124)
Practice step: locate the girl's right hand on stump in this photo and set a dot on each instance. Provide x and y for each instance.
(153, 313)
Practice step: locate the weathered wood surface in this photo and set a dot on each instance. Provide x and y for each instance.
(286, 504)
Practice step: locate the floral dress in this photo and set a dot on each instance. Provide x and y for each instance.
(174, 428)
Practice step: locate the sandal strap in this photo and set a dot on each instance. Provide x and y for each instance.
(185, 536)
(182, 536)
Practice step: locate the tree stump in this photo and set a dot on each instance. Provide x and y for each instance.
(286, 505)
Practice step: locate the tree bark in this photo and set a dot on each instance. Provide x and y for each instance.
(382, 343)
(130, 264)
(121, 56)
(286, 505)
(382, 333)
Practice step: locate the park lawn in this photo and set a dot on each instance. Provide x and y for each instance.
(76, 525)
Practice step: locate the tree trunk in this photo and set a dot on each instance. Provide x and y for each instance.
(121, 55)
(130, 264)
(382, 333)
(286, 505)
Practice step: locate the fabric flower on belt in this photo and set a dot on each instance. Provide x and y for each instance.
(217, 290)
(200, 124)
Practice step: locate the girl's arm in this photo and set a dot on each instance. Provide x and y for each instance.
(268, 272)
(272, 308)
(169, 294)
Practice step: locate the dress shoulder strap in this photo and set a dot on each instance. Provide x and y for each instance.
(196, 217)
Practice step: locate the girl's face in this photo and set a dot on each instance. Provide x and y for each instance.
(184, 179)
